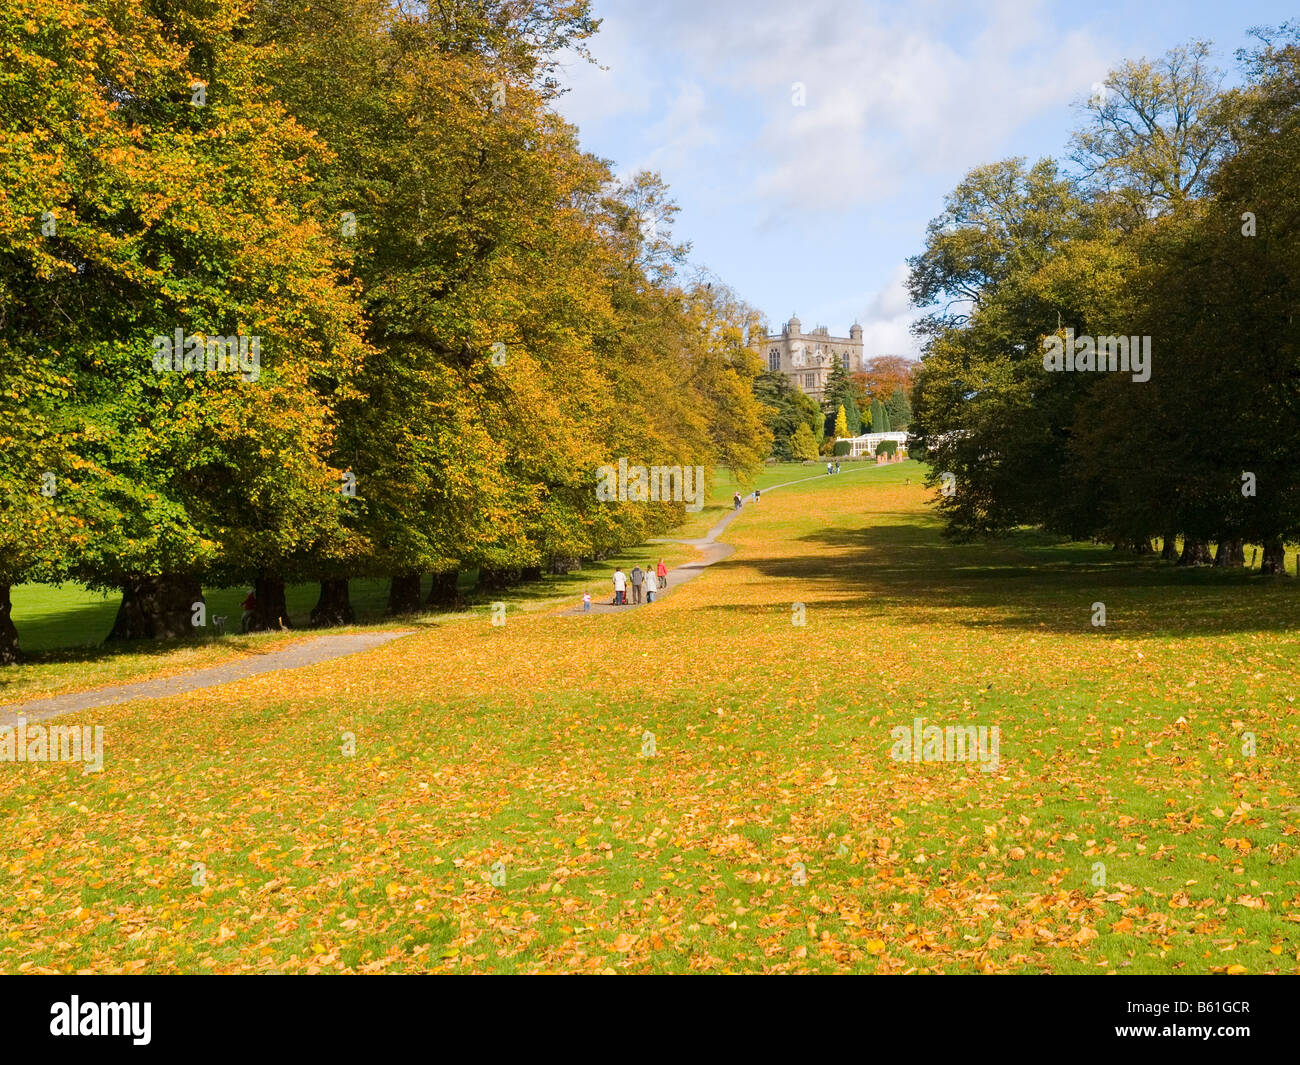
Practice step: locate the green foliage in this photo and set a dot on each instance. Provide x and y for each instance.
(1153, 239)
(898, 410)
(803, 446)
(787, 408)
(839, 395)
(457, 307)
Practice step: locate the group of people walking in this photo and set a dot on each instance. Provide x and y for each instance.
(639, 580)
(832, 467)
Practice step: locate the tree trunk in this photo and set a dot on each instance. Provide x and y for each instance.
(561, 565)
(444, 591)
(270, 612)
(1274, 561)
(9, 653)
(496, 580)
(333, 607)
(1169, 547)
(157, 608)
(404, 594)
(1195, 553)
(1232, 554)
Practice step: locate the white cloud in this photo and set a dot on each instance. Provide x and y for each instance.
(811, 207)
(891, 90)
(888, 317)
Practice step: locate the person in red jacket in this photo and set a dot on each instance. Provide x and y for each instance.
(662, 574)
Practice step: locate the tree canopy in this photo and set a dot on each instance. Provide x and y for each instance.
(291, 292)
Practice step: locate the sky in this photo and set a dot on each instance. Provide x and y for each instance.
(809, 142)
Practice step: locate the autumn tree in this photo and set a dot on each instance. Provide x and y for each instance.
(841, 424)
(1155, 130)
(177, 196)
(881, 376)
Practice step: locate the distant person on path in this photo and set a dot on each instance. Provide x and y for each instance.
(837, 467)
(638, 578)
(586, 602)
(249, 605)
(735, 501)
(620, 587)
(649, 587)
(757, 495)
(830, 468)
(662, 574)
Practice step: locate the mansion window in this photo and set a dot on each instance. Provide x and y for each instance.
(845, 358)
(810, 380)
(774, 359)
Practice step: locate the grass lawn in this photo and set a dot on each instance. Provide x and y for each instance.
(725, 485)
(499, 813)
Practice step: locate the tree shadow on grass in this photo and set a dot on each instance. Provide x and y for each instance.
(73, 634)
(1026, 581)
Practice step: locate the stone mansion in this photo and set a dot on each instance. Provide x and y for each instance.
(807, 358)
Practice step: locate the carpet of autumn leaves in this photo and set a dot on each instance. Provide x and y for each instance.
(770, 831)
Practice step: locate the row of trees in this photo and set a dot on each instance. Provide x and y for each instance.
(1176, 219)
(459, 315)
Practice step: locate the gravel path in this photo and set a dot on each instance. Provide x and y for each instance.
(304, 653)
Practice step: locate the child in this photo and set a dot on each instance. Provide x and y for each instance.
(586, 602)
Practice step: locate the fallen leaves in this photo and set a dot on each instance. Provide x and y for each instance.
(521, 745)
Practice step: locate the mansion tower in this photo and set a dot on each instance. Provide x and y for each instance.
(807, 358)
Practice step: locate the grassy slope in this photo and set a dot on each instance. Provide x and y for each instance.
(522, 744)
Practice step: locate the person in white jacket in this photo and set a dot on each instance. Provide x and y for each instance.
(620, 586)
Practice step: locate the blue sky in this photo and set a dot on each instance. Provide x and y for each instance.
(814, 208)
